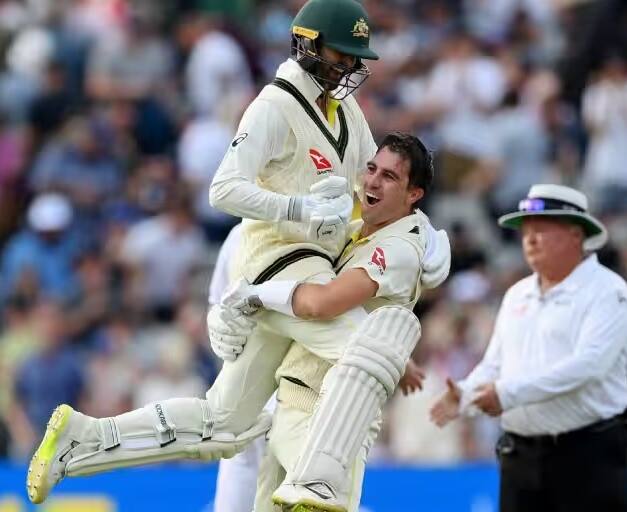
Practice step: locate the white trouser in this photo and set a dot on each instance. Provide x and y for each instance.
(244, 386)
(229, 418)
(286, 439)
(237, 477)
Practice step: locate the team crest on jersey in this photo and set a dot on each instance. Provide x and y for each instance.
(378, 259)
(322, 163)
(361, 28)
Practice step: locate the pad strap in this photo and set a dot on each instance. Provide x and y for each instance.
(109, 433)
(207, 423)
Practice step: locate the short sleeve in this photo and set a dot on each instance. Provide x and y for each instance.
(394, 265)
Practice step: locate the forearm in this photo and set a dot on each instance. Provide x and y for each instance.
(326, 301)
(240, 197)
(314, 301)
(562, 378)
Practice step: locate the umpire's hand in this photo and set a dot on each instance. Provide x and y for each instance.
(487, 399)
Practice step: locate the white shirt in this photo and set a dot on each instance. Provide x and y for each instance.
(166, 256)
(605, 111)
(392, 258)
(221, 277)
(217, 75)
(559, 359)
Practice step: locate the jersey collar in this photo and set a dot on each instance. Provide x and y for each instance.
(403, 225)
(573, 281)
(291, 71)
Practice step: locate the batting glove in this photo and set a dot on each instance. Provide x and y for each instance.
(327, 198)
(228, 330)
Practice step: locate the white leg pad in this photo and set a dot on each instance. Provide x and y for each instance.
(353, 393)
(179, 428)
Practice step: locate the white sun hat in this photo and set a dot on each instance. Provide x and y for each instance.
(49, 212)
(559, 201)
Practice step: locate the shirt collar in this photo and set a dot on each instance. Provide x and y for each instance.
(580, 275)
(291, 71)
(402, 225)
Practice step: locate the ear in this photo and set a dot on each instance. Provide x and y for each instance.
(415, 194)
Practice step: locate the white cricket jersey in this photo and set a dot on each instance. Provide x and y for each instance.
(392, 257)
(559, 358)
(283, 146)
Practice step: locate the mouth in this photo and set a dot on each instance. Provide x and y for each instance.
(371, 199)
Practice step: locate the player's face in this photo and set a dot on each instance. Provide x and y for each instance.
(549, 243)
(387, 196)
(335, 67)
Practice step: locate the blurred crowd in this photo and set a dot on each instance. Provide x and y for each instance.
(115, 114)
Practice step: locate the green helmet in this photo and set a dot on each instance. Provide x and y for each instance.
(340, 24)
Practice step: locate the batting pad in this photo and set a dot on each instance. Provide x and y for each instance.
(353, 393)
(178, 428)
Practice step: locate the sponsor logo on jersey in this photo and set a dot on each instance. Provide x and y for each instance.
(322, 163)
(378, 259)
(240, 138)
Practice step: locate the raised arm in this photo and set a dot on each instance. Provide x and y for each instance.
(260, 137)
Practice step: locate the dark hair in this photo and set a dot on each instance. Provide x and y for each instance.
(414, 151)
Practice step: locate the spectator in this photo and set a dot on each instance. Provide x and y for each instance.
(605, 114)
(42, 256)
(52, 376)
(162, 253)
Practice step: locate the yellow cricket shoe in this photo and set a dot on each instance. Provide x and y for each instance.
(46, 469)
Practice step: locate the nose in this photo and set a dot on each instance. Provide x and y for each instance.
(530, 238)
(347, 60)
(373, 180)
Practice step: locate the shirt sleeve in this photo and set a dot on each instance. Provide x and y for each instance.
(394, 265)
(603, 335)
(260, 138)
(488, 370)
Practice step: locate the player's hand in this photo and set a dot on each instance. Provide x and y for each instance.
(487, 399)
(446, 408)
(325, 228)
(436, 263)
(243, 297)
(228, 330)
(327, 198)
(412, 379)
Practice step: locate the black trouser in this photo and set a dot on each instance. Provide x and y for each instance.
(580, 471)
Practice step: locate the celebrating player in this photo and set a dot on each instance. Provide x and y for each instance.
(377, 269)
(290, 172)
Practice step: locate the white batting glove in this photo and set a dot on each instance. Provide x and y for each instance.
(228, 330)
(327, 198)
(436, 263)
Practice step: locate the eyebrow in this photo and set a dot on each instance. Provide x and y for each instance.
(385, 169)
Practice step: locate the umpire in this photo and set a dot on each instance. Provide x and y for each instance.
(556, 367)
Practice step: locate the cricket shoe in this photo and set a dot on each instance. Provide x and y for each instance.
(315, 496)
(47, 466)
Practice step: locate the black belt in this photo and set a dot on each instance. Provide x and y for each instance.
(549, 440)
(287, 260)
